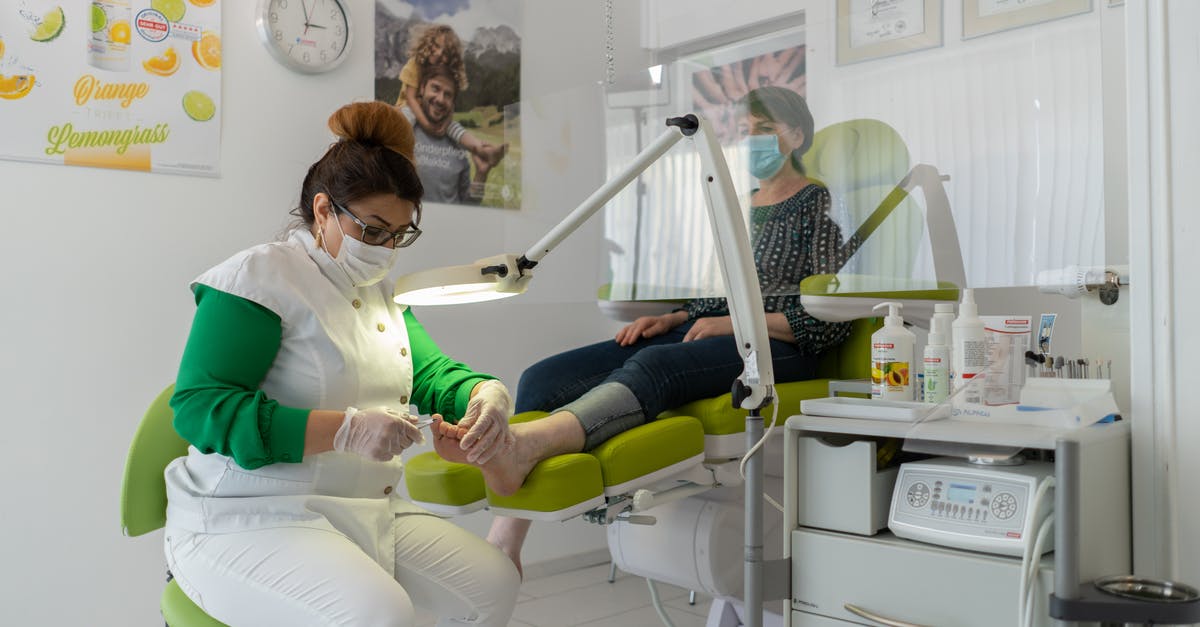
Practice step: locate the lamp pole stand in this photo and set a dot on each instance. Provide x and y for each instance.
(753, 559)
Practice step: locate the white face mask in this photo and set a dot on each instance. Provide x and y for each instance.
(364, 265)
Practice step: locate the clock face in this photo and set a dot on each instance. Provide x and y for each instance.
(305, 35)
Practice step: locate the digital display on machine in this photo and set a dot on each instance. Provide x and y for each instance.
(961, 493)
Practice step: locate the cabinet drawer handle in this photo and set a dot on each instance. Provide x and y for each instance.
(882, 620)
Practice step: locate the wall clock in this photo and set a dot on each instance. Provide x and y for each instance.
(308, 36)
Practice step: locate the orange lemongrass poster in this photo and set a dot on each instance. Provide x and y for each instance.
(132, 84)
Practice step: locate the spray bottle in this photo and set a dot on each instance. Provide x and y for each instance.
(937, 367)
(943, 322)
(892, 357)
(969, 349)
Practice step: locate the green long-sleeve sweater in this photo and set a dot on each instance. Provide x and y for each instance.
(233, 342)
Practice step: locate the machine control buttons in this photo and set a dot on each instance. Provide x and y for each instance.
(1004, 506)
(918, 494)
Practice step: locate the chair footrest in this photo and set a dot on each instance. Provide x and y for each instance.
(558, 488)
(649, 453)
(442, 487)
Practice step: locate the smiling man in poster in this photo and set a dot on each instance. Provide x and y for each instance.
(444, 166)
(478, 42)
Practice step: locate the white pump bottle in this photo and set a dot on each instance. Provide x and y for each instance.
(969, 349)
(892, 357)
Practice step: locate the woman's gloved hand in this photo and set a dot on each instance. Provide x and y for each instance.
(377, 433)
(486, 422)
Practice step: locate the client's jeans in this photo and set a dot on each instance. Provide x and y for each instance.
(661, 372)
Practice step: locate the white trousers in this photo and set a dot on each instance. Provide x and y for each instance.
(298, 576)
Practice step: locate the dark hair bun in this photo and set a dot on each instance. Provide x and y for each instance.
(374, 123)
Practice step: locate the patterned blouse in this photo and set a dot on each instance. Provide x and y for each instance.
(792, 240)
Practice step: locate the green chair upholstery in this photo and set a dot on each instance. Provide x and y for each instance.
(653, 451)
(444, 488)
(563, 486)
(861, 162)
(558, 488)
(144, 498)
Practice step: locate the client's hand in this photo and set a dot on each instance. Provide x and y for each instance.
(714, 326)
(486, 422)
(649, 326)
(377, 433)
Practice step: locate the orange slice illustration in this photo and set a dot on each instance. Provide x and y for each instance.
(207, 50)
(164, 64)
(202, 3)
(16, 86)
(119, 32)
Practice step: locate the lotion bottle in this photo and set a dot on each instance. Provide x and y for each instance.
(969, 347)
(892, 357)
(936, 363)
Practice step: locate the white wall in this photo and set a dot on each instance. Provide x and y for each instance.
(96, 308)
(1185, 162)
(1164, 157)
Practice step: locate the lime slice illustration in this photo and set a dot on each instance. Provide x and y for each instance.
(99, 18)
(51, 26)
(173, 10)
(199, 106)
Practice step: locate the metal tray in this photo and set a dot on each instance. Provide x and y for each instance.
(873, 409)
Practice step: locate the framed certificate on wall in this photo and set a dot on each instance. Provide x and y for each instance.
(873, 29)
(984, 17)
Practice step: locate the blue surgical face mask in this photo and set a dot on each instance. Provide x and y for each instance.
(765, 158)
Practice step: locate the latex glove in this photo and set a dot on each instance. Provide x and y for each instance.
(486, 422)
(378, 433)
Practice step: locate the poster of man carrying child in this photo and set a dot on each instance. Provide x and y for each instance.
(454, 69)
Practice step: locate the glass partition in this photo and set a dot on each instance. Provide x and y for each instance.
(976, 158)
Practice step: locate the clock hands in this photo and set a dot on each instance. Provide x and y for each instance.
(307, 24)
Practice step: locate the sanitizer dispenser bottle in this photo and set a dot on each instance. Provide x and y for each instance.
(892, 357)
(969, 346)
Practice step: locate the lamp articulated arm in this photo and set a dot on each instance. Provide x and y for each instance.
(508, 275)
(754, 388)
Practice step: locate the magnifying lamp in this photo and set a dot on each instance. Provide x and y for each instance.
(509, 275)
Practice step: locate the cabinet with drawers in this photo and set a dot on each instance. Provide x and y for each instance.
(847, 568)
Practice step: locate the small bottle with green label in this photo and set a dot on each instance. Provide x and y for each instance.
(111, 34)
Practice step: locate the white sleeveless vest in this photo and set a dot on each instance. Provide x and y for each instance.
(341, 346)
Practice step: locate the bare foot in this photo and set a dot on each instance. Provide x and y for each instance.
(446, 429)
(446, 441)
(504, 473)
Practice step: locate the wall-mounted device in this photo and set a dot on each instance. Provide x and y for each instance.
(1075, 281)
(988, 508)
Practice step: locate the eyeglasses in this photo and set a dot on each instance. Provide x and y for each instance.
(379, 236)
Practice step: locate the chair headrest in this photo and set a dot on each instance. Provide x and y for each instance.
(857, 153)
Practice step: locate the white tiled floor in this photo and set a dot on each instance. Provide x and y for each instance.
(584, 597)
